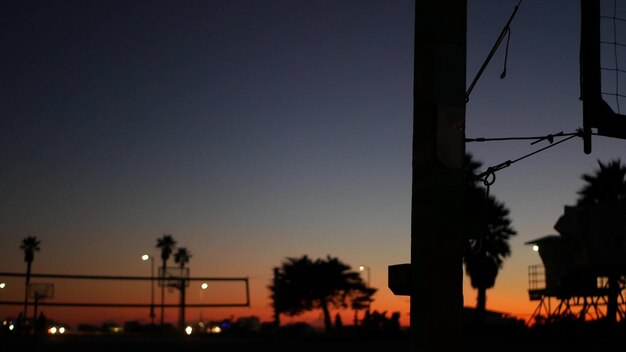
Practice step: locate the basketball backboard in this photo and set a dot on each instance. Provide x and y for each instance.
(38, 290)
(172, 276)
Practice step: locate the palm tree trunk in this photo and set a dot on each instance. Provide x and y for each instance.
(182, 304)
(28, 265)
(163, 293)
(481, 307)
(327, 321)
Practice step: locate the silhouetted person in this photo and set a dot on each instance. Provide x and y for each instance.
(19, 324)
(338, 322)
(40, 324)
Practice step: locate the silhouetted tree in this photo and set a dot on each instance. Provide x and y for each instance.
(166, 244)
(29, 245)
(181, 257)
(361, 300)
(489, 230)
(303, 285)
(606, 185)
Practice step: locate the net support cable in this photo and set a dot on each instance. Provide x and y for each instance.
(243, 280)
(488, 177)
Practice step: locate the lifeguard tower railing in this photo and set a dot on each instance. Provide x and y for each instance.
(588, 304)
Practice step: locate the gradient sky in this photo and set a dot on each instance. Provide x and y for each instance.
(253, 131)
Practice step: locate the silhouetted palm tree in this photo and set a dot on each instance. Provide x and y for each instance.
(606, 185)
(489, 229)
(303, 285)
(166, 244)
(181, 257)
(29, 245)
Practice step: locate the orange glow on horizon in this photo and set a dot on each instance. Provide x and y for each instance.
(511, 302)
(507, 297)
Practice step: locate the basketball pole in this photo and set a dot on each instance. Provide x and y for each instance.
(35, 312)
(437, 181)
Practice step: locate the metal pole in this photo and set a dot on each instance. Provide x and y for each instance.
(590, 85)
(276, 298)
(369, 285)
(152, 290)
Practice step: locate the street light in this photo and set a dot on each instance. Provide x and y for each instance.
(151, 259)
(3, 285)
(204, 286)
(361, 268)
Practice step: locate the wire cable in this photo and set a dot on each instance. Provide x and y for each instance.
(490, 172)
(495, 47)
(537, 139)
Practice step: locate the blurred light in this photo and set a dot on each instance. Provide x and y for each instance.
(361, 268)
(11, 327)
(3, 285)
(535, 248)
(188, 330)
(216, 329)
(145, 257)
(52, 330)
(61, 330)
(4, 322)
(204, 286)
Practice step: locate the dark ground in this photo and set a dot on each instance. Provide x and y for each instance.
(509, 340)
(138, 343)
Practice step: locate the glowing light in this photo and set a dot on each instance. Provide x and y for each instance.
(3, 285)
(204, 285)
(52, 330)
(216, 329)
(188, 330)
(362, 267)
(11, 327)
(145, 257)
(61, 330)
(535, 248)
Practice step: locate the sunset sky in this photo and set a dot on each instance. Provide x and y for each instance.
(256, 130)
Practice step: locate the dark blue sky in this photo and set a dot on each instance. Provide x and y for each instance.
(257, 130)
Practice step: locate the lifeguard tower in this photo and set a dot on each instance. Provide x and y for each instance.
(583, 266)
